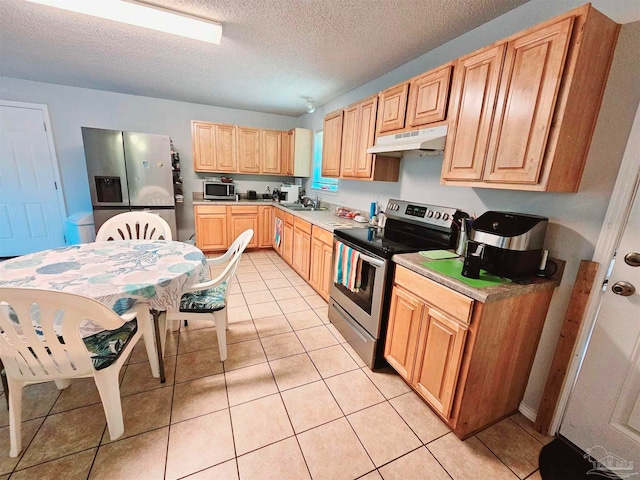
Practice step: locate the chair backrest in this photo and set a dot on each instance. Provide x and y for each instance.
(235, 252)
(134, 226)
(41, 338)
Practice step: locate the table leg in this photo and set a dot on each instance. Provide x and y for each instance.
(156, 327)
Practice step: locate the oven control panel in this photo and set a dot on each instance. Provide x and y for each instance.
(422, 213)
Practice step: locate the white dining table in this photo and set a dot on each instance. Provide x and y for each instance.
(117, 274)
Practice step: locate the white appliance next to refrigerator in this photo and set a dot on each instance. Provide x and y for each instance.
(129, 171)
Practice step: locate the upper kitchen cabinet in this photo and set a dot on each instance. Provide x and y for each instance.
(248, 150)
(214, 147)
(297, 152)
(392, 107)
(428, 97)
(271, 152)
(523, 110)
(332, 144)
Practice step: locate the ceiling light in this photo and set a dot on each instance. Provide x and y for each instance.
(144, 15)
(310, 105)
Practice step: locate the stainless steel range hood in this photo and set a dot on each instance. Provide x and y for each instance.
(428, 141)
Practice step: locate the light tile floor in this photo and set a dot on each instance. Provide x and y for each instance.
(292, 401)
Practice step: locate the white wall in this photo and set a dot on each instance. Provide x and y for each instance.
(71, 108)
(575, 219)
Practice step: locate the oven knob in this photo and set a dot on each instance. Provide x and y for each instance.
(438, 215)
(429, 213)
(396, 206)
(445, 216)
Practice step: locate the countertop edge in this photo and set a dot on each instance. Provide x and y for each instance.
(415, 261)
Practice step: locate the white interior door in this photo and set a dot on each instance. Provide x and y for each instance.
(603, 413)
(31, 213)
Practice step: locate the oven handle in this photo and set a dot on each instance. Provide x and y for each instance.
(373, 261)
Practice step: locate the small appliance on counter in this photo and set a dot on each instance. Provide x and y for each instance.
(512, 242)
(252, 195)
(289, 193)
(218, 189)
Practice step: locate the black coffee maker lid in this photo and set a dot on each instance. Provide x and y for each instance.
(506, 224)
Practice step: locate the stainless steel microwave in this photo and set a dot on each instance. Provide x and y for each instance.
(217, 190)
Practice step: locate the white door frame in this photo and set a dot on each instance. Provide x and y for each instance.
(52, 152)
(608, 241)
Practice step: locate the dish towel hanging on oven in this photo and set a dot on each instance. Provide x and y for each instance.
(348, 267)
(277, 234)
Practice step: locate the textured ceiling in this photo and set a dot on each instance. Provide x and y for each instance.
(273, 52)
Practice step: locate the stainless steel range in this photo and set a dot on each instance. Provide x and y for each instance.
(361, 314)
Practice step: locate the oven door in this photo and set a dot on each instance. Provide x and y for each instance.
(365, 305)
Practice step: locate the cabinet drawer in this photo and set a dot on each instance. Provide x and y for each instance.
(244, 209)
(288, 218)
(302, 225)
(323, 235)
(211, 209)
(455, 304)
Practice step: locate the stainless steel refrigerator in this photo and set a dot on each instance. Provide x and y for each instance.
(127, 172)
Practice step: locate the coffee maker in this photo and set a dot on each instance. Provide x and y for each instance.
(289, 193)
(512, 242)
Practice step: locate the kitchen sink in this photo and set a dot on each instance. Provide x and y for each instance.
(301, 208)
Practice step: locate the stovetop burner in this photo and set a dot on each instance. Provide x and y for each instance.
(410, 227)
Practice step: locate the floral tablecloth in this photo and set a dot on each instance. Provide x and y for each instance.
(116, 274)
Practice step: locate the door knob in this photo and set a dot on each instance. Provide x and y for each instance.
(632, 259)
(624, 289)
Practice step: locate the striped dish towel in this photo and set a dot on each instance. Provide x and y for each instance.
(348, 267)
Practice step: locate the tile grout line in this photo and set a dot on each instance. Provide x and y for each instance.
(496, 455)
(173, 390)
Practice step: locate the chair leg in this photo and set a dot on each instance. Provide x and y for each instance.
(220, 318)
(15, 416)
(109, 390)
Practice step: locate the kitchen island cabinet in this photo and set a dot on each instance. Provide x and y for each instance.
(469, 360)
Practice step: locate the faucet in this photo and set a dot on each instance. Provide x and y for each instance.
(315, 202)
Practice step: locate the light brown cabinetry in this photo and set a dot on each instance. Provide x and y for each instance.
(248, 150)
(523, 110)
(265, 226)
(428, 97)
(392, 107)
(470, 361)
(241, 218)
(301, 247)
(278, 216)
(214, 147)
(321, 268)
(211, 227)
(300, 156)
(332, 144)
(271, 141)
(287, 239)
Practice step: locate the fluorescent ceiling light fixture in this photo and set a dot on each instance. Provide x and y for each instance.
(144, 15)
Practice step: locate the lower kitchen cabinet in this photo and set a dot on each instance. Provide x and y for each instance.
(321, 262)
(265, 226)
(470, 361)
(241, 218)
(301, 247)
(287, 238)
(211, 227)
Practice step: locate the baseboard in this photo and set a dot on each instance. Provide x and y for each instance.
(528, 412)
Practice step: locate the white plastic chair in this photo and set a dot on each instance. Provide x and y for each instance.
(208, 300)
(40, 341)
(134, 226)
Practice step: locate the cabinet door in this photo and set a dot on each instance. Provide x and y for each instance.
(239, 223)
(271, 152)
(265, 224)
(211, 232)
(248, 150)
(332, 144)
(392, 106)
(350, 142)
(366, 137)
(287, 152)
(315, 269)
(440, 351)
(287, 243)
(226, 148)
(327, 271)
(473, 99)
(531, 77)
(277, 214)
(428, 95)
(203, 137)
(405, 314)
(301, 252)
